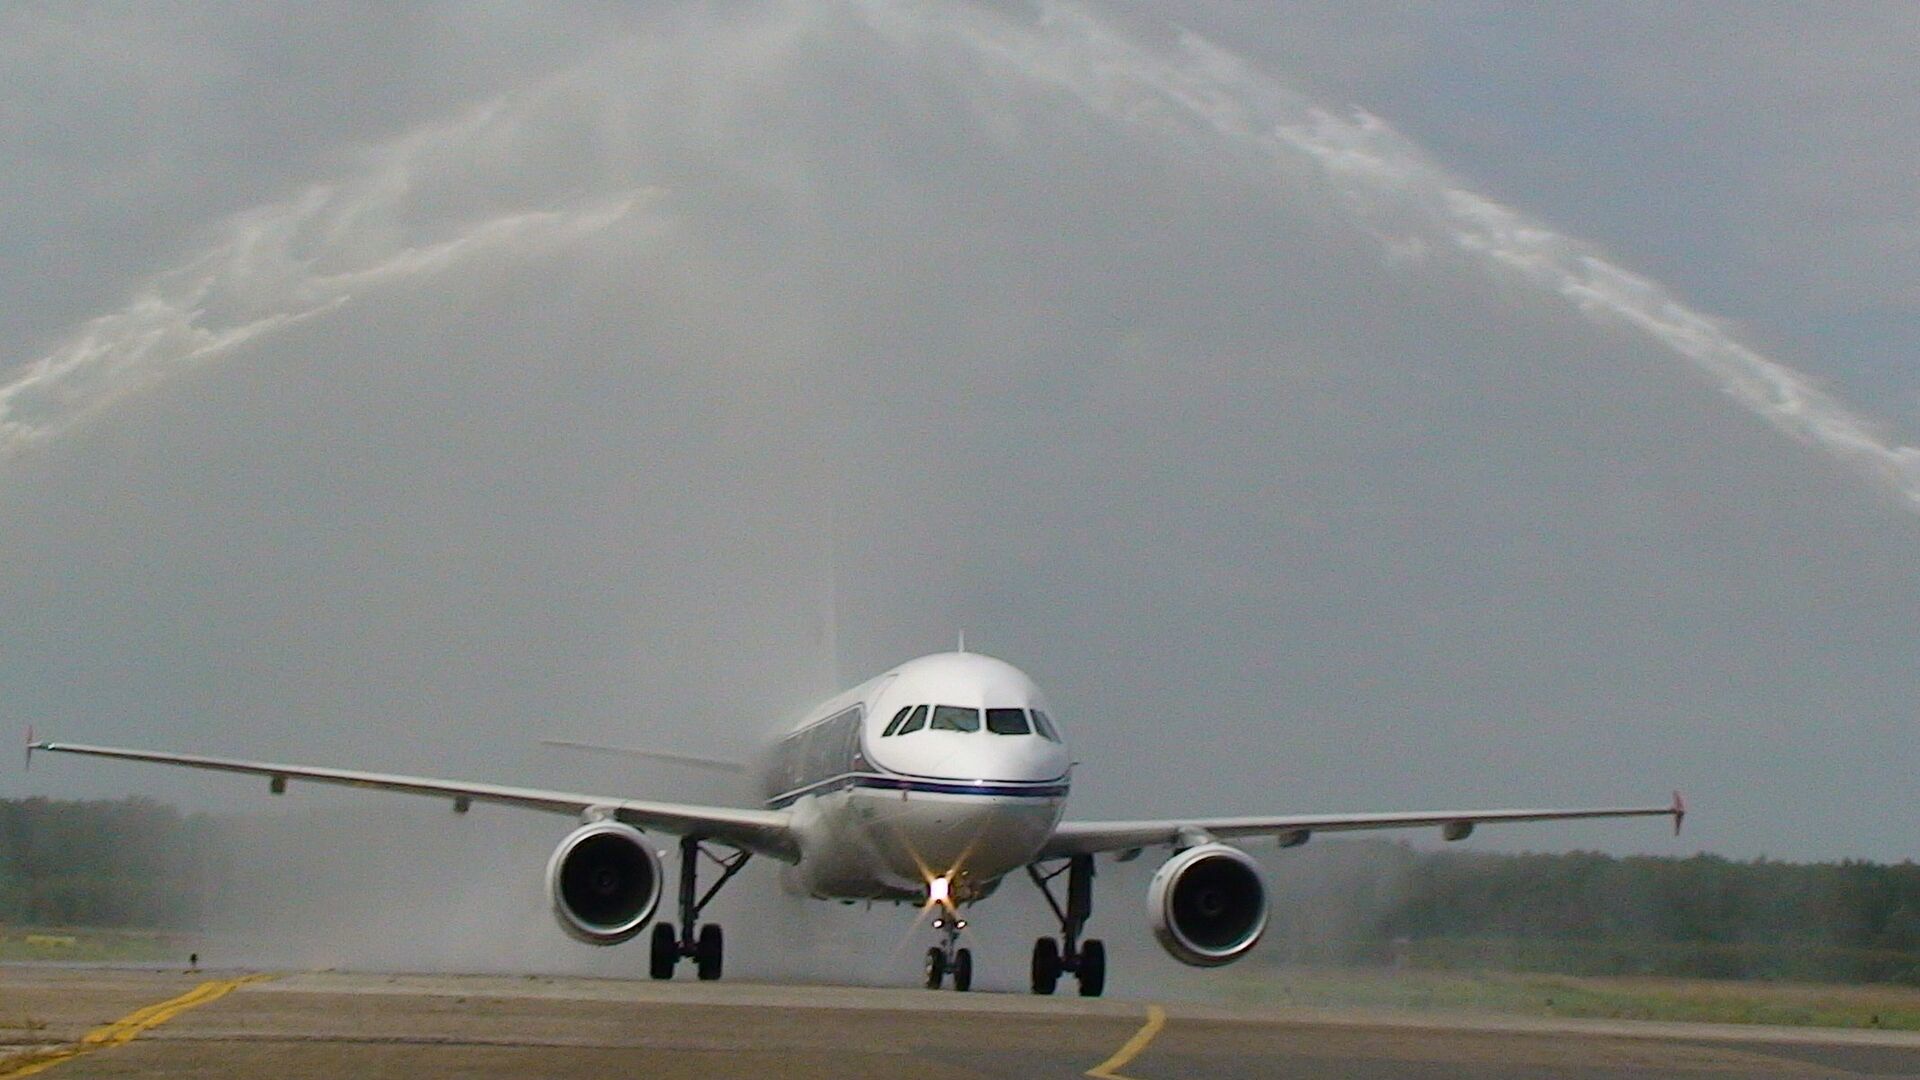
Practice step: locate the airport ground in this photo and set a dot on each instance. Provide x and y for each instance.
(74, 1022)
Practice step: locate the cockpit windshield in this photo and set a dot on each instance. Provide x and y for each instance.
(1008, 721)
(954, 718)
(999, 721)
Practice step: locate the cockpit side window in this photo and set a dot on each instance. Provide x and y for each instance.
(915, 720)
(1044, 726)
(954, 718)
(1008, 722)
(893, 726)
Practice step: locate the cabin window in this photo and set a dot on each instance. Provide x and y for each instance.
(1044, 726)
(893, 726)
(821, 752)
(955, 718)
(915, 721)
(846, 739)
(1008, 722)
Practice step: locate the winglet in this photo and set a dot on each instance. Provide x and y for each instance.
(1679, 812)
(29, 765)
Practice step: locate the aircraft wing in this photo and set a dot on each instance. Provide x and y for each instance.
(767, 832)
(1088, 837)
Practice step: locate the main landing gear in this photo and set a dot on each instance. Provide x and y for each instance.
(706, 947)
(943, 959)
(1087, 961)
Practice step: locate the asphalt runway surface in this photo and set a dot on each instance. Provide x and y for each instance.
(91, 1022)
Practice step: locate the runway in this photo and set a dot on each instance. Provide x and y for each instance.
(73, 1023)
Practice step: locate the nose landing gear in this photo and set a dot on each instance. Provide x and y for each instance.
(1087, 961)
(943, 959)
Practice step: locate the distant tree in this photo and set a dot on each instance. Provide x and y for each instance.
(102, 863)
(139, 863)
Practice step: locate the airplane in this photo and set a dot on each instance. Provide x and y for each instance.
(928, 784)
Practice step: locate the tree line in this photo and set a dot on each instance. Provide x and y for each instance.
(140, 864)
(125, 863)
(1588, 913)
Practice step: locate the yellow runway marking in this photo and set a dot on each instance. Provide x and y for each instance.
(123, 1030)
(1156, 1019)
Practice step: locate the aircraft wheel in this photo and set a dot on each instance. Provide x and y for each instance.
(1046, 965)
(666, 952)
(963, 970)
(708, 952)
(936, 968)
(1093, 969)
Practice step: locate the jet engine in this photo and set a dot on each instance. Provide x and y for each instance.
(1208, 905)
(605, 882)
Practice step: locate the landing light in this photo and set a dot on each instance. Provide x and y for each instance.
(940, 891)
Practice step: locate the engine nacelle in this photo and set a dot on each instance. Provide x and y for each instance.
(605, 882)
(1208, 905)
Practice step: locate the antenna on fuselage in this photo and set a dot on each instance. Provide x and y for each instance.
(963, 642)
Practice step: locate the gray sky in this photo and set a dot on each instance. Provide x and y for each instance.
(1353, 407)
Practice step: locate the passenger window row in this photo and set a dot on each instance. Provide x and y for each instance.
(912, 718)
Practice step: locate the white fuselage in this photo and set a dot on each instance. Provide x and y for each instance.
(946, 766)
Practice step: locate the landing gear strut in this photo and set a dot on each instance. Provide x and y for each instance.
(943, 959)
(706, 947)
(1087, 961)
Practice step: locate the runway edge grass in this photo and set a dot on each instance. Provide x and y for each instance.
(1895, 1008)
(88, 945)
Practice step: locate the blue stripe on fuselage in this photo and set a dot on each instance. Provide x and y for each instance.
(1047, 790)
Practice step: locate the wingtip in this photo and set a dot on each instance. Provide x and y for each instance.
(1679, 811)
(28, 767)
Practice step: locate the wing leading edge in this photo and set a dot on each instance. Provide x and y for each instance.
(766, 832)
(1089, 837)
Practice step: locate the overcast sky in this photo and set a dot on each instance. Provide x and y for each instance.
(1345, 407)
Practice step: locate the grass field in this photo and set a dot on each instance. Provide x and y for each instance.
(91, 946)
(1623, 997)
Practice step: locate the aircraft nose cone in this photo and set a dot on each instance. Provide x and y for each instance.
(976, 841)
(974, 756)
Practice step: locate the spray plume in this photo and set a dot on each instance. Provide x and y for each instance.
(275, 267)
(291, 262)
(1411, 205)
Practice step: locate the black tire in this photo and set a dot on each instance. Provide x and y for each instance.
(666, 952)
(1093, 969)
(963, 970)
(1046, 965)
(936, 968)
(709, 951)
